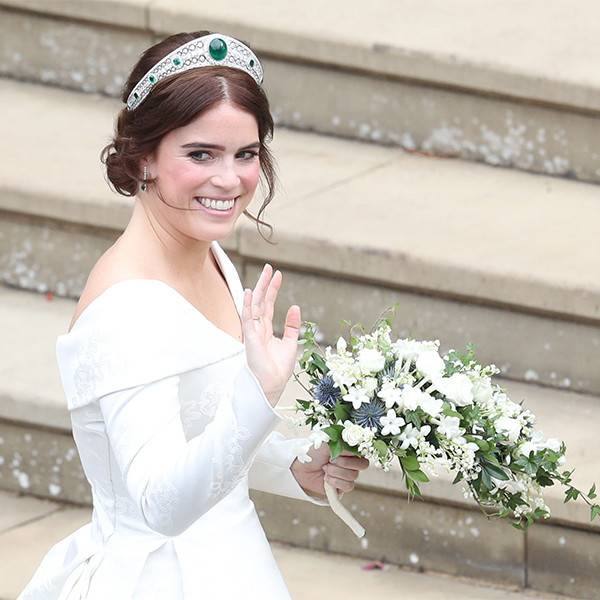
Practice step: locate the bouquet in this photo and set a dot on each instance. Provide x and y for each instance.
(401, 401)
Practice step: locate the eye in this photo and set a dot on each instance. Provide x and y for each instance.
(194, 155)
(252, 154)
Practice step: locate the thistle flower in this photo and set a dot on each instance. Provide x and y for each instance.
(368, 415)
(326, 393)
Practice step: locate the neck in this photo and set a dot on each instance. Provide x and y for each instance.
(161, 251)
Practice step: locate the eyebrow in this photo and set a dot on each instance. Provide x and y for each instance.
(216, 146)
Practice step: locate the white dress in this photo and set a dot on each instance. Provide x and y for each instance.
(172, 429)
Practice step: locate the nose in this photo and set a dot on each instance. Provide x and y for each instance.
(226, 176)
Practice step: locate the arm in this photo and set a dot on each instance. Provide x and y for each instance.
(175, 481)
(272, 472)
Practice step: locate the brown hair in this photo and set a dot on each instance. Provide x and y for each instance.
(176, 101)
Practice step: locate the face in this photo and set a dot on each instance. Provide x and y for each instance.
(215, 157)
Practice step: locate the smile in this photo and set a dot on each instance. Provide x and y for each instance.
(216, 205)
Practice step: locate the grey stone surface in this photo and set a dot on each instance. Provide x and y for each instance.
(565, 561)
(45, 256)
(22, 548)
(73, 54)
(435, 121)
(17, 510)
(41, 463)
(418, 534)
(372, 87)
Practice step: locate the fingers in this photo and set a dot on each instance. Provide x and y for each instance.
(258, 295)
(350, 461)
(340, 484)
(270, 297)
(293, 319)
(340, 472)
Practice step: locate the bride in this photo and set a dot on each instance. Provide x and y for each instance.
(170, 368)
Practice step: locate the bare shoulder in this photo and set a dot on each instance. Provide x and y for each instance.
(110, 268)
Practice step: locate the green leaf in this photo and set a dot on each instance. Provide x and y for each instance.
(410, 462)
(334, 432)
(495, 471)
(486, 480)
(342, 411)
(381, 448)
(417, 476)
(595, 511)
(458, 477)
(320, 363)
(592, 493)
(335, 448)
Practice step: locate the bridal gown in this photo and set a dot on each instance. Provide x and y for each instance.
(172, 428)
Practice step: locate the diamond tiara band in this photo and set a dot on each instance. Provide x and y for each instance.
(215, 49)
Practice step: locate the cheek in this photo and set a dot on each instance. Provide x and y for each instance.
(250, 175)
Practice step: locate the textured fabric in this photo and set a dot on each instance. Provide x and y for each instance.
(171, 426)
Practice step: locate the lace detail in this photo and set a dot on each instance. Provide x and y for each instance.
(197, 413)
(231, 468)
(164, 499)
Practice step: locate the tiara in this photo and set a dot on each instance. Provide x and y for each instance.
(214, 49)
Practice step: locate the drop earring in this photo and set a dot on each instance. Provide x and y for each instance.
(144, 186)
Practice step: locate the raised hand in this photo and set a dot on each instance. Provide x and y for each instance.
(271, 359)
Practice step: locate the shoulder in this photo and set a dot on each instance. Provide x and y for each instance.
(110, 269)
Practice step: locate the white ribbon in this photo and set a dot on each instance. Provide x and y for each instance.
(342, 512)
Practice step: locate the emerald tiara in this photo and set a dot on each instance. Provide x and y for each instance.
(214, 49)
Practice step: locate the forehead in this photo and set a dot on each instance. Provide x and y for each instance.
(222, 120)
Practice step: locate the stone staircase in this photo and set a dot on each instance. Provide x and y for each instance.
(505, 258)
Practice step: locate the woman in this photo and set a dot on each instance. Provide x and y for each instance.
(170, 369)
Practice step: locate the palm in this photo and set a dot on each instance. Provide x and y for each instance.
(271, 359)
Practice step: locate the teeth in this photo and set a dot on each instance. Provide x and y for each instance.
(216, 204)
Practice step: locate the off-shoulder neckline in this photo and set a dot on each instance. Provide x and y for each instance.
(176, 293)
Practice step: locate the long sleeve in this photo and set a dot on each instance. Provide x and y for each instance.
(271, 470)
(174, 481)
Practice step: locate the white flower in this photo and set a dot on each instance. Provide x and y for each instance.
(354, 434)
(450, 427)
(457, 388)
(553, 444)
(483, 391)
(370, 360)
(318, 437)
(390, 394)
(369, 384)
(432, 406)
(411, 435)
(430, 365)
(302, 451)
(511, 486)
(412, 349)
(357, 396)
(341, 345)
(412, 398)
(511, 428)
(391, 423)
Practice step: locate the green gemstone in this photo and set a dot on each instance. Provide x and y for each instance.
(136, 95)
(177, 61)
(152, 78)
(218, 49)
(251, 62)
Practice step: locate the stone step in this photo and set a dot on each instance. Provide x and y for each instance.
(29, 527)
(444, 532)
(503, 259)
(515, 92)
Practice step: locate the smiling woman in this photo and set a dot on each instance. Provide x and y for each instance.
(194, 100)
(171, 370)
